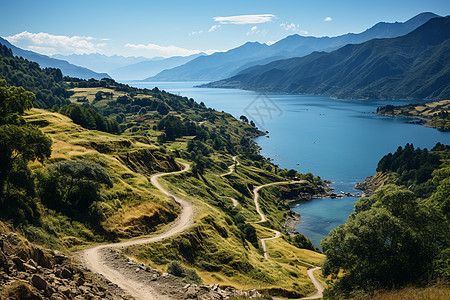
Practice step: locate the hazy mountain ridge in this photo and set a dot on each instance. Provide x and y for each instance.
(44, 61)
(150, 67)
(101, 63)
(226, 64)
(412, 66)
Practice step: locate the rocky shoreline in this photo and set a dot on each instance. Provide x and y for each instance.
(371, 184)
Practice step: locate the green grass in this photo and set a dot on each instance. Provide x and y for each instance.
(221, 254)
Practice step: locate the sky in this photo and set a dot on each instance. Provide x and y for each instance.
(172, 27)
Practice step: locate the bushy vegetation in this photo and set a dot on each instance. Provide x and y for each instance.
(413, 167)
(396, 237)
(19, 144)
(189, 275)
(89, 118)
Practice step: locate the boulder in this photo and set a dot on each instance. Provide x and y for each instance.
(66, 273)
(38, 282)
(41, 258)
(18, 262)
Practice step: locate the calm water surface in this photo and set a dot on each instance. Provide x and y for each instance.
(338, 140)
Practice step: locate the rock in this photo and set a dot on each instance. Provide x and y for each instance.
(30, 268)
(58, 296)
(31, 262)
(41, 258)
(38, 282)
(18, 262)
(65, 290)
(59, 256)
(66, 273)
(80, 281)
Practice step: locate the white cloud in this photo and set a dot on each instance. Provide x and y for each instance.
(151, 50)
(328, 19)
(292, 26)
(196, 32)
(214, 27)
(253, 30)
(49, 44)
(245, 19)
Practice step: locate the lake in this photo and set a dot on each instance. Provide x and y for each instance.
(338, 140)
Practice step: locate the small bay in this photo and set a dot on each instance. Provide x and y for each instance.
(339, 140)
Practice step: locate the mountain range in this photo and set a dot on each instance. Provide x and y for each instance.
(48, 62)
(414, 66)
(221, 65)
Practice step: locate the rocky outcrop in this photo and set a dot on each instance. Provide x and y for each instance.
(169, 285)
(30, 272)
(148, 162)
(371, 184)
(290, 222)
(305, 191)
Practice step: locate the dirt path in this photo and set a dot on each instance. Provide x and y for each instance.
(317, 284)
(235, 202)
(94, 258)
(231, 167)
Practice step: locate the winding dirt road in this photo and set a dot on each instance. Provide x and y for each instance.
(94, 260)
(231, 167)
(317, 284)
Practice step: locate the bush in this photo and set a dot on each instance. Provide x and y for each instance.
(189, 275)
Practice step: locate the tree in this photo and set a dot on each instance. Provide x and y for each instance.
(98, 96)
(162, 109)
(13, 101)
(72, 183)
(389, 241)
(243, 118)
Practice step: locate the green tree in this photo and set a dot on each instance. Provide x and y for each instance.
(389, 241)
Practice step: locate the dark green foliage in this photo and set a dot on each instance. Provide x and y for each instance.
(89, 118)
(249, 233)
(72, 186)
(413, 166)
(189, 275)
(301, 241)
(47, 84)
(19, 144)
(389, 241)
(396, 237)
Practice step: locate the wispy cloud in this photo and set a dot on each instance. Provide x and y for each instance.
(328, 19)
(49, 44)
(245, 19)
(256, 30)
(196, 32)
(213, 28)
(253, 30)
(292, 26)
(165, 51)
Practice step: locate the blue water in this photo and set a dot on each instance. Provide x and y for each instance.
(338, 140)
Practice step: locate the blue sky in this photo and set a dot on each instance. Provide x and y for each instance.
(166, 28)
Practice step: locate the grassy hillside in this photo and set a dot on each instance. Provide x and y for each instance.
(433, 114)
(95, 187)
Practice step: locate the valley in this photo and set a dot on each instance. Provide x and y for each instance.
(184, 151)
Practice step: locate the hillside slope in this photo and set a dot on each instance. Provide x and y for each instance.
(414, 66)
